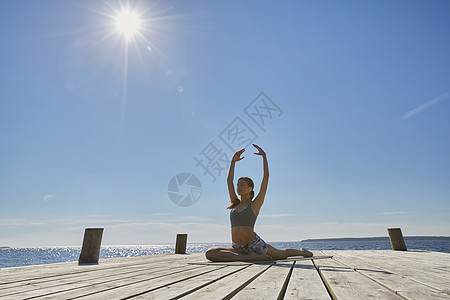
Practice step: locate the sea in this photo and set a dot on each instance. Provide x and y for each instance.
(17, 257)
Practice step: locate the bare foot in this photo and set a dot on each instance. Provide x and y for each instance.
(306, 253)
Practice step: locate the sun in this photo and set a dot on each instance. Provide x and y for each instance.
(128, 23)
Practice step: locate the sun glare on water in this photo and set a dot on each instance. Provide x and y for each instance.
(128, 23)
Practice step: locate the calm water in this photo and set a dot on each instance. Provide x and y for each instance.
(15, 257)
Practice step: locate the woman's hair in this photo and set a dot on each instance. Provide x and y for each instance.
(250, 183)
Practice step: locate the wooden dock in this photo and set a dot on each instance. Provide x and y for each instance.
(356, 274)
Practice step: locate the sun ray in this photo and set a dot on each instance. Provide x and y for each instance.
(124, 86)
(128, 32)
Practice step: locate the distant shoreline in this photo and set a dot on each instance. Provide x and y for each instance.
(381, 238)
(348, 239)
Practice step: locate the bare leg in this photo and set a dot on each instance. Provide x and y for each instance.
(282, 254)
(231, 254)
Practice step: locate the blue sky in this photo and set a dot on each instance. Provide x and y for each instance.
(94, 128)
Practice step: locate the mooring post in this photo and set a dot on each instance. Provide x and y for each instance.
(180, 246)
(396, 237)
(92, 241)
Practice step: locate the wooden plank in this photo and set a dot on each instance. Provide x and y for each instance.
(102, 277)
(433, 270)
(300, 258)
(9, 275)
(428, 261)
(61, 283)
(315, 281)
(268, 285)
(182, 288)
(419, 258)
(82, 288)
(220, 289)
(346, 283)
(352, 274)
(63, 275)
(305, 283)
(396, 274)
(133, 288)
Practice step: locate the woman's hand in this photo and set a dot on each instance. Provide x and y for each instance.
(261, 151)
(237, 155)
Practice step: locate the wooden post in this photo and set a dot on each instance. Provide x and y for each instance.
(180, 246)
(396, 237)
(91, 246)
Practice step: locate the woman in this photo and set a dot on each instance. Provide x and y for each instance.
(247, 245)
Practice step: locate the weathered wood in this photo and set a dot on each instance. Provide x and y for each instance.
(134, 287)
(26, 274)
(180, 246)
(268, 285)
(434, 268)
(110, 281)
(346, 283)
(53, 272)
(396, 237)
(305, 283)
(92, 241)
(73, 282)
(182, 288)
(351, 274)
(406, 277)
(221, 288)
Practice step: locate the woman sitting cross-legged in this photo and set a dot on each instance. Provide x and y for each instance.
(247, 245)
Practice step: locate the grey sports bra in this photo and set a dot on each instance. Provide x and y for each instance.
(244, 218)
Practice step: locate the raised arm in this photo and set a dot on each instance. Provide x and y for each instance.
(230, 178)
(259, 200)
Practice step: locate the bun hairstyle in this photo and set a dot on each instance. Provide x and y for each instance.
(250, 183)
